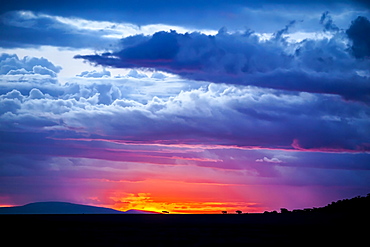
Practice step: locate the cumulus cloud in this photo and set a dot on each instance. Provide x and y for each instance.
(95, 74)
(36, 94)
(214, 114)
(135, 74)
(312, 65)
(158, 75)
(37, 69)
(9, 62)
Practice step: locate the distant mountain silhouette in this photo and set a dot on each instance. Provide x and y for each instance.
(63, 208)
(135, 211)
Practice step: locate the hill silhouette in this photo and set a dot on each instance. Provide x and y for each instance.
(356, 205)
(56, 208)
(63, 208)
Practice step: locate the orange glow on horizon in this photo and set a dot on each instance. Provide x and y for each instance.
(189, 207)
(7, 205)
(180, 198)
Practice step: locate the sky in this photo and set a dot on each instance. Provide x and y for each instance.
(184, 106)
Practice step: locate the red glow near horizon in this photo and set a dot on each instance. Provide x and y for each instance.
(178, 178)
(180, 197)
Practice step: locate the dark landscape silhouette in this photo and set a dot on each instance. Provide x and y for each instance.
(343, 222)
(64, 208)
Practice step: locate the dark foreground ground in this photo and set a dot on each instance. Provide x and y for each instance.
(290, 229)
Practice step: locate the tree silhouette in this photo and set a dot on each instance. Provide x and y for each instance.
(284, 210)
(238, 212)
(224, 212)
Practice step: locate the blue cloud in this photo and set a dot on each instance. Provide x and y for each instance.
(28, 29)
(313, 65)
(11, 64)
(235, 14)
(217, 114)
(95, 74)
(161, 46)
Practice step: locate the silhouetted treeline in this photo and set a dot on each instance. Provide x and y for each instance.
(359, 204)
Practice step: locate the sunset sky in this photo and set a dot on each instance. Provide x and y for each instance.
(185, 106)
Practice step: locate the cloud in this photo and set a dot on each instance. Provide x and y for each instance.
(169, 112)
(327, 21)
(103, 134)
(10, 102)
(29, 29)
(265, 16)
(158, 75)
(95, 74)
(357, 32)
(135, 74)
(37, 69)
(272, 160)
(40, 29)
(312, 65)
(21, 71)
(10, 63)
(36, 94)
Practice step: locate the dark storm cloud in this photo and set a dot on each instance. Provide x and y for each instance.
(313, 65)
(359, 32)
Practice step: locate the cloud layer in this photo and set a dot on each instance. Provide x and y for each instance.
(216, 114)
(76, 140)
(235, 14)
(25, 29)
(325, 65)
